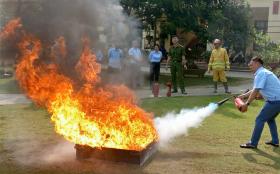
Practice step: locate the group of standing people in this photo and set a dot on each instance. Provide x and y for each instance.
(218, 63)
(130, 64)
(177, 60)
(121, 64)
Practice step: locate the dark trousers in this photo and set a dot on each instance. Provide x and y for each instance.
(154, 72)
(135, 75)
(177, 73)
(114, 75)
(267, 115)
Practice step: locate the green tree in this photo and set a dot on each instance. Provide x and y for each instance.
(268, 50)
(209, 19)
(232, 24)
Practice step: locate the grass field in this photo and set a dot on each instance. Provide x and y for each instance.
(28, 143)
(9, 86)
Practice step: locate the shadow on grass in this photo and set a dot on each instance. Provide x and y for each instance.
(184, 154)
(233, 114)
(276, 150)
(230, 112)
(250, 157)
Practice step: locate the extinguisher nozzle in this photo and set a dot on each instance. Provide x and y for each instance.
(223, 101)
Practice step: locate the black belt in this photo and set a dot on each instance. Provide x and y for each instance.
(275, 101)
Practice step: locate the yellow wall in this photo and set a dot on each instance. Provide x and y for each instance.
(273, 19)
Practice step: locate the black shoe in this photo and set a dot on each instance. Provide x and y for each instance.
(272, 144)
(184, 93)
(248, 146)
(215, 91)
(227, 92)
(174, 91)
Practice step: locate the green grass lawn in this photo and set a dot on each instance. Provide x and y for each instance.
(214, 146)
(26, 131)
(9, 86)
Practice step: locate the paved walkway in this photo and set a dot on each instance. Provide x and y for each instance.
(202, 90)
(193, 91)
(145, 92)
(7, 99)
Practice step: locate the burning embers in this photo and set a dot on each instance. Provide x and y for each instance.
(84, 113)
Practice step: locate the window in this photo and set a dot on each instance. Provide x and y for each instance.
(275, 8)
(261, 25)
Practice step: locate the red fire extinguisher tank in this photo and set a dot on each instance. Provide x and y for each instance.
(238, 103)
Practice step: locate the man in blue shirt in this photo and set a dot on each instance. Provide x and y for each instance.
(115, 56)
(268, 85)
(135, 53)
(135, 61)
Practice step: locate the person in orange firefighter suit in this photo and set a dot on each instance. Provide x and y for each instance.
(219, 63)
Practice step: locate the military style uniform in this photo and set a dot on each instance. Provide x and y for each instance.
(176, 54)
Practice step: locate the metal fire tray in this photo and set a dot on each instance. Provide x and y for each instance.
(116, 155)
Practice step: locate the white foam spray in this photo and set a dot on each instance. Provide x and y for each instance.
(175, 124)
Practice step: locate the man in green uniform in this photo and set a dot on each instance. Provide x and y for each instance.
(177, 58)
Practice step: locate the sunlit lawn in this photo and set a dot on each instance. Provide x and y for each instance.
(211, 148)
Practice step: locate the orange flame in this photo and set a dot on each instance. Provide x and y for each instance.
(9, 28)
(89, 115)
(58, 50)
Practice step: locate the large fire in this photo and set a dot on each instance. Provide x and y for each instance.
(83, 112)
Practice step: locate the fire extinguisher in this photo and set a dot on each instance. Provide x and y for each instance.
(155, 89)
(169, 85)
(238, 103)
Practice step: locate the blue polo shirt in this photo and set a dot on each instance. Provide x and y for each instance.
(136, 54)
(115, 55)
(155, 56)
(268, 84)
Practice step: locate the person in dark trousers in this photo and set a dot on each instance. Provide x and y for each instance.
(177, 58)
(155, 57)
(268, 85)
(164, 53)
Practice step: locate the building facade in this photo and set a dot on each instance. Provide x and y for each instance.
(266, 17)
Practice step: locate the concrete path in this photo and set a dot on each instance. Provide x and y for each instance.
(193, 91)
(229, 73)
(7, 99)
(202, 90)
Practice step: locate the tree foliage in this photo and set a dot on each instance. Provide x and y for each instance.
(209, 19)
(269, 51)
